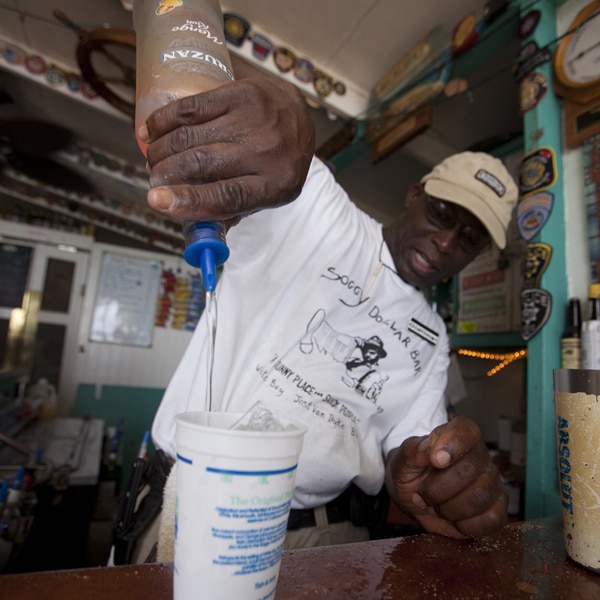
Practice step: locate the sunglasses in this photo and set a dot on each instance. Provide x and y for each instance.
(443, 216)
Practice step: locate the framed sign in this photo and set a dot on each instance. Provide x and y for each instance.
(126, 301)
(402, 132)
(581, 121)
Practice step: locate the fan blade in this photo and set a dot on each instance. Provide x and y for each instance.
(50, 172)
(35, 138)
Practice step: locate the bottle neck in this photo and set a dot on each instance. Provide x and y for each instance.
(573, 328)
(594, 309)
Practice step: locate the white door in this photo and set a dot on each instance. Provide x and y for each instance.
(40, 336)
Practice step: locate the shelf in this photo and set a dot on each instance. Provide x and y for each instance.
(98, 212)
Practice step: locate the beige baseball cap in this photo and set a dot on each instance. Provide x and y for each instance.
(481, 184)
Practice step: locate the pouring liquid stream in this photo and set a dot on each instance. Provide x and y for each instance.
(211, 325)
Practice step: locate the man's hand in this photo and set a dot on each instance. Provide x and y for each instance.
(229, 152)
(447, 482)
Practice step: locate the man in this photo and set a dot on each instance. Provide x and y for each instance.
(212, 157)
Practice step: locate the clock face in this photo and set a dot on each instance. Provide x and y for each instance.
(581, 60)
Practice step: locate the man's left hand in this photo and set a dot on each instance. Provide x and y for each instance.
(447, 482)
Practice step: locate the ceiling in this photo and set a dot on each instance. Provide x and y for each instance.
(355, 41)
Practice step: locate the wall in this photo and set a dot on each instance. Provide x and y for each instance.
(577, 255)
(488, 398)
(101, 364)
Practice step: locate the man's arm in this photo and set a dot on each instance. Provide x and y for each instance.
(231, 151)
(447, 482)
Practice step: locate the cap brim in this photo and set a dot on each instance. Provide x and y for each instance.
(446, 190)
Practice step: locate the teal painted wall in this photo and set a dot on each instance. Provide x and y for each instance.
(135, 405)
(542, 128)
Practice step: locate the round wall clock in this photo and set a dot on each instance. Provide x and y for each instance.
(577, 58)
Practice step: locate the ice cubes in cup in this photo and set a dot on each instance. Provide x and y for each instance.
(259, 418)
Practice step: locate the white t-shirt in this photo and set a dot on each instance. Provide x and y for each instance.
(314, 321)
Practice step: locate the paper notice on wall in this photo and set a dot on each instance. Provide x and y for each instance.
(126, 301)
(486, 293)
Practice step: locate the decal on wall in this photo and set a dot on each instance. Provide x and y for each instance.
(537, 171)
(536, 306)
(236, 29)
(304, 71)
(529, 23)
(261, 46)
(36, 64)
(536, 263)
(533, 213)
(532, 89)
(323, 83)
(530, 58)
(465, 34)
(284, 59)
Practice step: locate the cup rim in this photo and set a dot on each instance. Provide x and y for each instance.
(184, 420)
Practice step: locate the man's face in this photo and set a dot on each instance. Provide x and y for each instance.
(371, 355)
(433, 239)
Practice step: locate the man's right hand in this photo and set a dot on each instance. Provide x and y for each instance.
(229, 152)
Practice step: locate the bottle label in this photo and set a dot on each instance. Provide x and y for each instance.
(570, 353)
(183, 55)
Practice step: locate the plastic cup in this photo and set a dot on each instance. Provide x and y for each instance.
(233, 494)
(577, 407)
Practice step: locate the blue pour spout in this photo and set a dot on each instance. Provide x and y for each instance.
(205, 248)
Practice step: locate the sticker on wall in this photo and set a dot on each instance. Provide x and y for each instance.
(533, 213)
(74, 81)
(465, 34)
(536, 263)
(537, 171)
(304, 70)
(536, 306)
(88, 91)
(236, 29)
(36, 64)
(55, 75)
(284, 59)
(14, 54)
(529, 23)
(532, 89)
(530, 58)
(261, 46)
(322, 83)
(339, 88)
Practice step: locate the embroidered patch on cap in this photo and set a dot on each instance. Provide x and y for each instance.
(429, 335)
(489, 180)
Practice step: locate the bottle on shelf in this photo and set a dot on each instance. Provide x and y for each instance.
(570, 341)
(590, 330)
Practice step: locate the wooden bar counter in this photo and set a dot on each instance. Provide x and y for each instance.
(525, 560)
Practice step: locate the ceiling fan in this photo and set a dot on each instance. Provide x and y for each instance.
(28, 146)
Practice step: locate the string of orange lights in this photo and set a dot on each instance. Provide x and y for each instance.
(504, 358)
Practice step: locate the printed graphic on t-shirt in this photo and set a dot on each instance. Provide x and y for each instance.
(359, 356)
